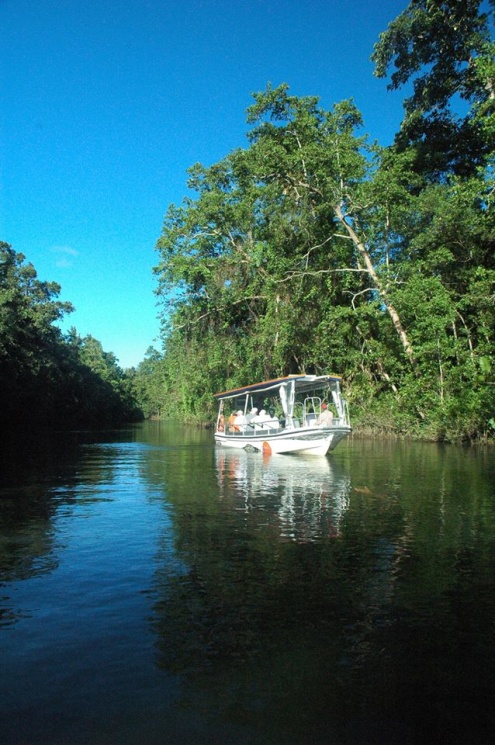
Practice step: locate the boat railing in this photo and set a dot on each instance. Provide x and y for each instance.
(270, 426)
(248, 429)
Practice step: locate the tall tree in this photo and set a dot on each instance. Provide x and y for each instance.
(322, 158)
(312, 247)
(28, 337)
(284, 234)
(444, 49)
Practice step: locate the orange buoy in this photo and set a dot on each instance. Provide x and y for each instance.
(266, 448)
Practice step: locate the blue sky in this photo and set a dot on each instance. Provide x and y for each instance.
(106, 103)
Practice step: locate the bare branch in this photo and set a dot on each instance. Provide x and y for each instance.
(356, 294)
(296, 275)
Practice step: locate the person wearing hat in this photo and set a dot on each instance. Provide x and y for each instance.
(326, 417)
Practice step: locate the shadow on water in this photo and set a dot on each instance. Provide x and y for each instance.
(209, 595)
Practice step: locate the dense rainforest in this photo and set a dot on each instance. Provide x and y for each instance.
(51, 380)
(314, 249)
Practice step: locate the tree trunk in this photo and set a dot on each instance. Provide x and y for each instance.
(378, 284)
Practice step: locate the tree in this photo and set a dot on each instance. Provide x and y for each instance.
(28, 307)
(149, 384)
(103, 391)
(282, 237)
(28, 338)
(443, 48)
(313, 249)
(48, 380)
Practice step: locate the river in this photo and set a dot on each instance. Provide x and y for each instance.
(157, 590)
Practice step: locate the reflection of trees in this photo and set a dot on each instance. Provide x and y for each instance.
(302, 632)
(166, 434)
(37, 481)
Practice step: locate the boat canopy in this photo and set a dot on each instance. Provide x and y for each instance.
(300, 382)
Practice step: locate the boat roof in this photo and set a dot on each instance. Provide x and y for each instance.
(303, 382)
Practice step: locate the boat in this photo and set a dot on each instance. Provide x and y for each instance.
(294, 414)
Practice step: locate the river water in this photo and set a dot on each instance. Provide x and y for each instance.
(157, 590)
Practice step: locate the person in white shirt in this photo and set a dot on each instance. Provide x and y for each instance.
(272, 420)
(265, 421)
(252, 414)
(260, 419)
(239, 421)
(326, 417)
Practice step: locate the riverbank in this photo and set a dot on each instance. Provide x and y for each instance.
(363, 429)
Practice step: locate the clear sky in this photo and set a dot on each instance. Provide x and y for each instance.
(106, 103)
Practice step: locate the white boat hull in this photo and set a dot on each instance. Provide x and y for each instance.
(309, 441)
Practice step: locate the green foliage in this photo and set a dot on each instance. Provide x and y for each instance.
(148, 384)
(48, 380)
(442, 48)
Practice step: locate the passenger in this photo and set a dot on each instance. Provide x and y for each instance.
(260, 419)
(272, 420)
(232, 417)
(326, 417)
(251, 415)
(239, 421)
(221, 423)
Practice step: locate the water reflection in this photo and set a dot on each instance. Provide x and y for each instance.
(316, 606)
(158, 589)
(304, 497)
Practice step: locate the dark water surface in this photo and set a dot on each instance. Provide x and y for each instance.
(157, 590)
